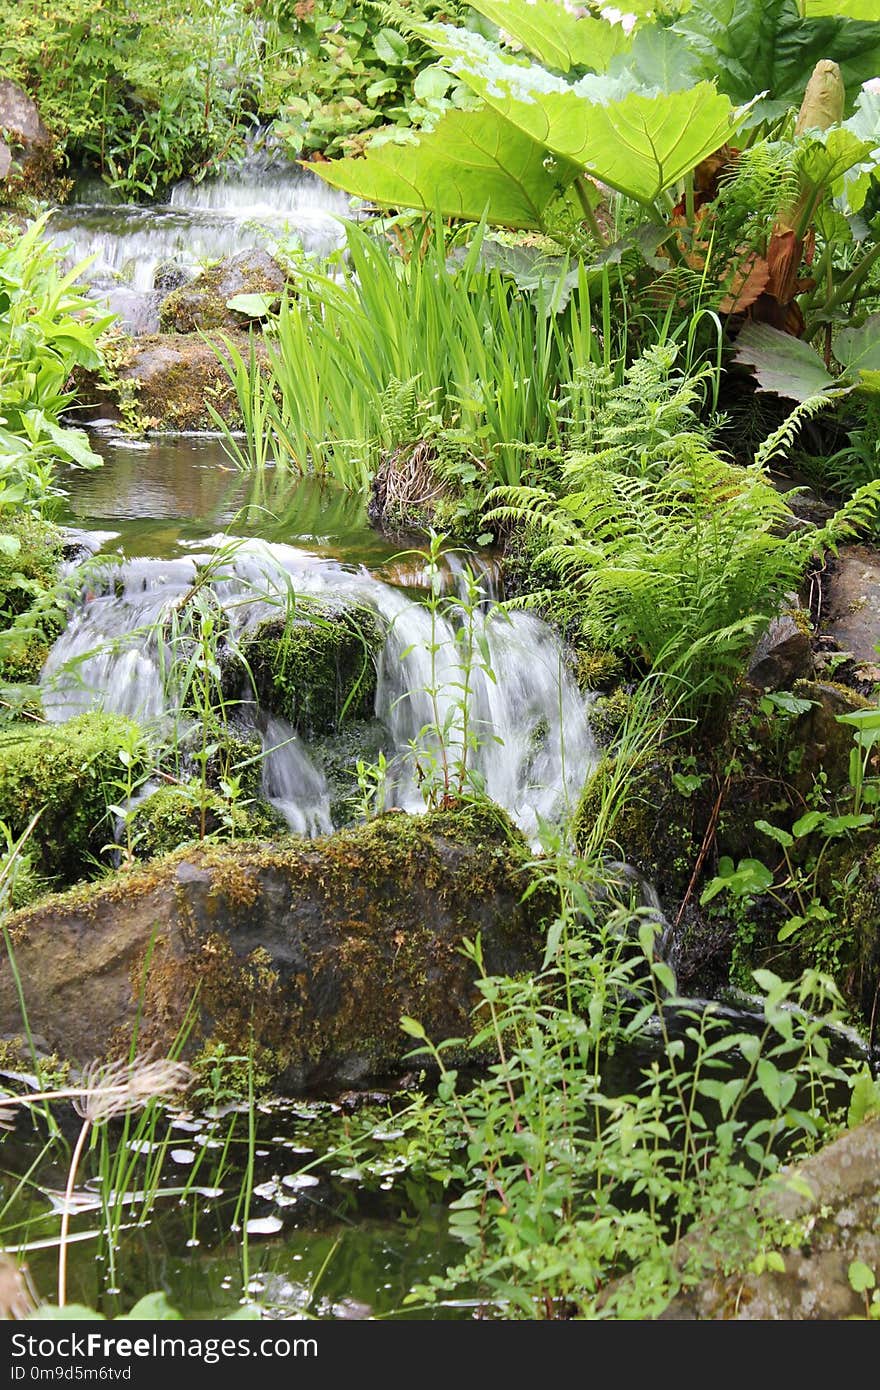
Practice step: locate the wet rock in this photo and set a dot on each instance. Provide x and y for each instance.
(167, 380)
(319, 946)
(202, 305)
(783, 654)
(170, 276)
(851, 610)
(831, 1201)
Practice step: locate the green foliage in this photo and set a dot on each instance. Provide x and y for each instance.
(47, 327)
(751, 46)
(669, 553)
(340, 71)
(483, 358)
(143, 93)
(573, 1187)
(171, 816)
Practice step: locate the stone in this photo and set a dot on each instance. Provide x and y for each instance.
(20, 118)
(28, 155)
(202, 304)
(318, 946)
(834, 1201)
(851, 605)
(783, 654)
(168, 378)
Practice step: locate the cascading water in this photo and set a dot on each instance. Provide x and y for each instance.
(526, 725)
(261, 202)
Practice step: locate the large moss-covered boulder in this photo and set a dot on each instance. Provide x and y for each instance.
(311, 949)
(69, 773)
(164, 381)
(203, 304)
(318, 668)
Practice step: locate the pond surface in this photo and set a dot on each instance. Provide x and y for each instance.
(160, 497)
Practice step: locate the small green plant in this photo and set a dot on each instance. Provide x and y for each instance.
(372, 779)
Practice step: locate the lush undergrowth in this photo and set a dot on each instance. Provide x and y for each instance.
(598, 309)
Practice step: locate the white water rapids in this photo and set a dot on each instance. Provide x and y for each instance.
(264, 201)
(526, 717)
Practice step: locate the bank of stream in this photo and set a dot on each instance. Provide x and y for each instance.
(216, 1210)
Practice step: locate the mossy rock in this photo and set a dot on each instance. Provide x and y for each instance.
(172, 816)
(67, 772)
(318, 670)
(29, 619)
(201, 305)
(304, 953)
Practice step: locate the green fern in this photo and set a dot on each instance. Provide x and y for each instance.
(681, 570)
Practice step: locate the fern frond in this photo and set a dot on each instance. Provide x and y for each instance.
(782, 439)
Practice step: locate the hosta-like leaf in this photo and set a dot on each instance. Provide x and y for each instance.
(637, 142)
(473, 162)
(554, 36)
(785, 365)
(765, 45)
(859, 348)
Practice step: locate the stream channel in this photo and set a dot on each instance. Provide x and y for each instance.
(321, 1241)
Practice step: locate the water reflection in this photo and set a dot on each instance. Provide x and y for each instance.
(180, 490)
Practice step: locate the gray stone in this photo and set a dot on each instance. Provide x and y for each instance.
(851, 613)
(782, 655)
(202, 304)
(20, 118)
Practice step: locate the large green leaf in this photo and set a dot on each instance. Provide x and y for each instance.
(635, 141)
(848, 9)
(858, 349)
(473, 162)
(782, 364)
(865, 123)
(825, 158)
(555, 37)
(659, 58)
(752, 46)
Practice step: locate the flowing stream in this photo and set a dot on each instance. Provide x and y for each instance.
(514, 699)
(141, 253)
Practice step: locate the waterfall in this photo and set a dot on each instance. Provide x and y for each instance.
(263, 202)
(515, 703)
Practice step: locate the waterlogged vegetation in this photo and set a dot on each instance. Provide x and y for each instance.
(609, 297)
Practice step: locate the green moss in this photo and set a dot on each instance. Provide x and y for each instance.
(65, 772)
(172, 816)
(319, 670)
(608, 714)
(201, 305)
